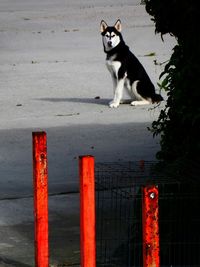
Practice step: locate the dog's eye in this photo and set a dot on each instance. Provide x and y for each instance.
(112, 36)
(107, 35)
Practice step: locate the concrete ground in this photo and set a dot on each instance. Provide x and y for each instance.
(53, 78)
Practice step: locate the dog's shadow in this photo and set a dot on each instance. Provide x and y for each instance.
(96, 100)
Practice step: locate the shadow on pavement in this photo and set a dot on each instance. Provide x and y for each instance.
(4, 262)
(95, 100)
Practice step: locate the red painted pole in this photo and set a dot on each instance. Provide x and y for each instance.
(150, 220)
(40, 182)
(87, 211)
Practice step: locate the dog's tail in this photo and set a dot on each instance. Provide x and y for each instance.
(156, 98)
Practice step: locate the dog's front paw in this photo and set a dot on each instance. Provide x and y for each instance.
(113, 104)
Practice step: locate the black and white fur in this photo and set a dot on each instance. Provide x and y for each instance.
(126, 70)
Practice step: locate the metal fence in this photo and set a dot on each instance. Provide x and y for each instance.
(119, 216)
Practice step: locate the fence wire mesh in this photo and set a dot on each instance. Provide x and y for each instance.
(119, 215)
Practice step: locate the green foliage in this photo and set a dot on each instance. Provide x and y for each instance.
(179, 122)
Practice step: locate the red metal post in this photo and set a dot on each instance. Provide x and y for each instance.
(87, 211)
(150, 221)
(40, 182)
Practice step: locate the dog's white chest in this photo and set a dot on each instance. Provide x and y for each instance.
(113, 66)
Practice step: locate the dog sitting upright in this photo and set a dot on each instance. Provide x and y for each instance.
(126, 70)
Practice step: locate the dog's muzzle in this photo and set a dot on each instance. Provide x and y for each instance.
(109, 43)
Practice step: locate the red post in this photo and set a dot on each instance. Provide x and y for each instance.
(87, 211)
(40, 182)
(150, 220)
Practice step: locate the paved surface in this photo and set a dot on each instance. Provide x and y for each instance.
(52, 69)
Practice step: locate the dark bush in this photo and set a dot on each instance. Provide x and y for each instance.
(179, 122)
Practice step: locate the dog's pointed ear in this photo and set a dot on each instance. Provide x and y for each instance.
(118, 25)
(103, 26)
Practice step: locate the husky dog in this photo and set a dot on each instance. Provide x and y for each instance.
(126, 70)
